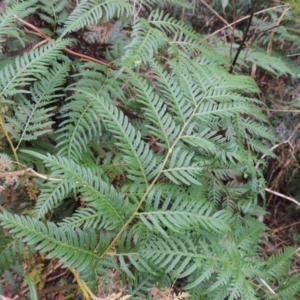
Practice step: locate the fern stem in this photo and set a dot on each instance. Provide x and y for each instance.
(149, 188)
(14, 150)
(80, 284)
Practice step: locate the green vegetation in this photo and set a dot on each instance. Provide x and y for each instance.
(132, 162)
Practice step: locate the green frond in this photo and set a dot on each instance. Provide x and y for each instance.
(277, 265)
(53, 12)
(170, 90)
(165, 23)
(146, 41)
(81, 124)
(149, 170)
(163, 254)
(52, 194)
(11, 258)
(90, 12)
(161, 124)
(140, 284)
(79, 129)
(271, 63)
(11, 252)
(165, 3)
(31, 118)
(140, 160)
(251, 126)
(8, 19)
(71, 247)
(28, 67)
(11, 278)
(110, 203)
(85, 218)
(181, 168)
(228, 172)
(184, 38)
(210, 110)
(190, 216)
(249, 234)
(290, 289)
(213, 78)
(215, 192)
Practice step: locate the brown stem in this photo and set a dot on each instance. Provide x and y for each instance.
(244, 37)
(28, 172)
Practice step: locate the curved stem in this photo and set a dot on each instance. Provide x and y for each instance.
(14, 150)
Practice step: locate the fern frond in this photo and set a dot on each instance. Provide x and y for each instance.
(181, 169)
(8, 19)
(162, 126)
(171, 254)
(52, 194)
(11, 259)
(271, 63)
(169, 25)
(85, 218)
(248, 234)
(154, 3)
(80, 127)
(184, 217)
(171, 92)
(32, 117)
(14, 77)
(78, 249)
(108, 201)
(90, 12)
(290, 289)
(278, 265)
(145, 43)
(139, 158)
(53, 12)
(11, 252)
(81, 124)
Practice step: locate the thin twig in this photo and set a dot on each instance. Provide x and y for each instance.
(281, 110)
(39, 33)
(27, 172)
(232, 25)
(284, 227)
(267, 286)
(283, 196)
(288, 141)
(269, 48)
(214, 12)
(243, 19)
(48, 39)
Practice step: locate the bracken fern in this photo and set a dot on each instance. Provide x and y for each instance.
(161, 152)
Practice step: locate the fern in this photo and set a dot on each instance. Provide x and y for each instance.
(68, 245)
(28, 120)
(149, 169)
(53, 12)
(12, 256)
(90, 12)
(25, 68)
(7, 20)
